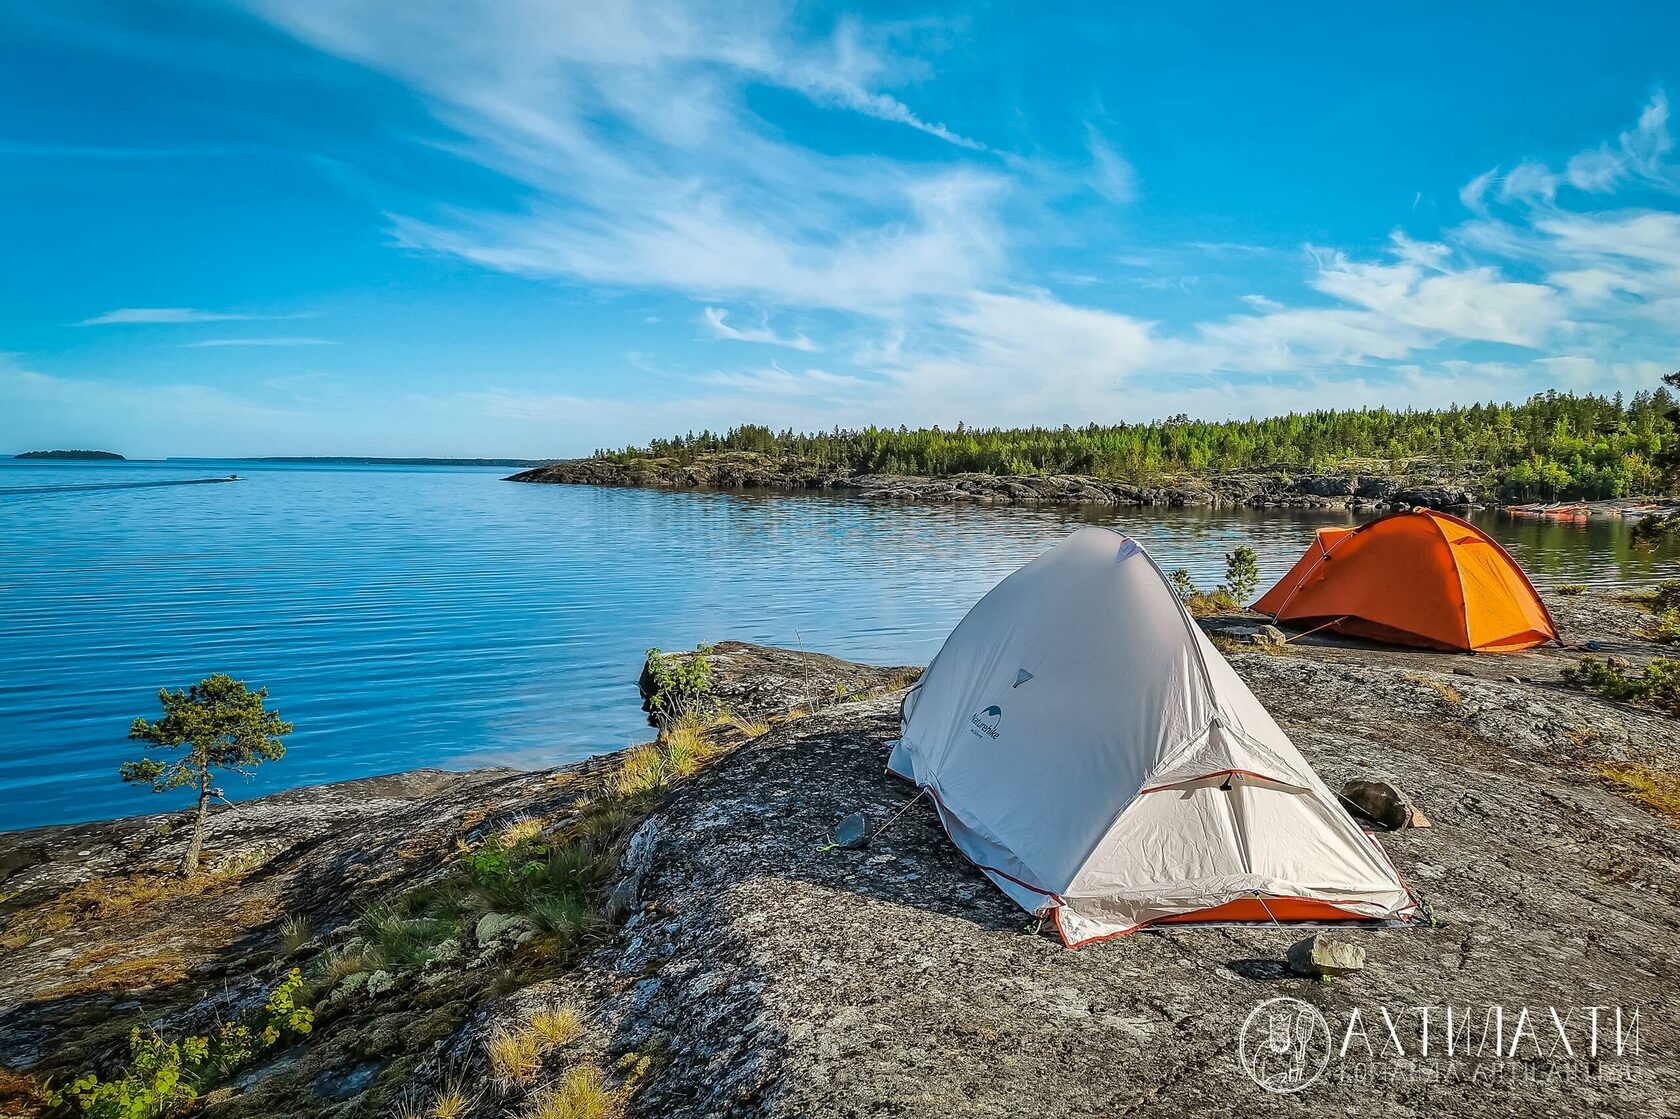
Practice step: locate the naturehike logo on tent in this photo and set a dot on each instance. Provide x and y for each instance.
(981, 726)
(1021, 677)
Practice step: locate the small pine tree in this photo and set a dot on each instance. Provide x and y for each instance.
(1181, 582)
(1242, 573)
(222, 725)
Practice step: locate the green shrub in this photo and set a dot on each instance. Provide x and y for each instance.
(1658, 685)
(1569, 590)
(1665, 630)
(1181, 582)
(1659, 599)
(165, 1077)
(682, 686)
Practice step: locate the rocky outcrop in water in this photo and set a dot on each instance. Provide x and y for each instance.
(747, 470)
(750, 972)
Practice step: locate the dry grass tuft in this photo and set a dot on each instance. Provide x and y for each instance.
(451, 1102)
(517, 1051)
(1449, 694)
(523, 830)
(745, 727)
(641, 773)
(557, 1025)
(515, 1055)
(582, 1093)
(1658, 789)
(1212, 603)
(902, 680)
(294, 933)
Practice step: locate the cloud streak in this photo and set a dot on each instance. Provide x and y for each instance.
(715, 316)
(211, 342)
(132, 316)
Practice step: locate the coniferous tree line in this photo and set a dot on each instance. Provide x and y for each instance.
(1554, 445)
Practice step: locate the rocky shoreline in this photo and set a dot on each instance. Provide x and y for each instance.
(747, 971)
(746, 470)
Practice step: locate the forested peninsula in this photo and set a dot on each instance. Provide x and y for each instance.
(1554, 446)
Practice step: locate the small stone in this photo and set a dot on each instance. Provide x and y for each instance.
(1462, 672)
(1320, 955)
(1379, 802)
(1620, 664)
(1269, 635)
(852, 832)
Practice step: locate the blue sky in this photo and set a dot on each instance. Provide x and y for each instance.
(533, 228)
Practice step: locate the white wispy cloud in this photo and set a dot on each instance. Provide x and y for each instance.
(1112, 175)
(132, 316)
(776, 380)
(716, 316)
(208, 342)
(629, 126)
(1637, 154)
(126, 316)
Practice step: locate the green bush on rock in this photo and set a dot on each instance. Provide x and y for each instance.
(164, 1077)
(1658, 685)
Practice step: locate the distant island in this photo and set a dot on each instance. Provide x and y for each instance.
(102, 456)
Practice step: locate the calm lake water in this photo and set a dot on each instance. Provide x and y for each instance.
(438, 616)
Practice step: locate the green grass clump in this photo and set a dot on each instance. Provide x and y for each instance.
(1665, 629)
(1658, 685)
(395, 940)
(1658, 599)
(1569, 590)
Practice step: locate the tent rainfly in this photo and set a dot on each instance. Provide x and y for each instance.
(1093, 753)
(1418, 577)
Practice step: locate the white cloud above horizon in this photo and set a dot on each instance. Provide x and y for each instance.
(648, 170)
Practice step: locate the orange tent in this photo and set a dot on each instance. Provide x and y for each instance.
(1414, 578)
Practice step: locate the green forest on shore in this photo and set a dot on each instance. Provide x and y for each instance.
(1554, 445)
